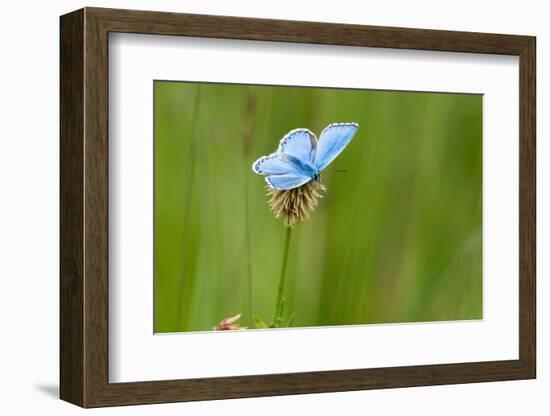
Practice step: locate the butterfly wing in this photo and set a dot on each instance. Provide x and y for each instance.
(282, 173)
(273, 164)
(332, 141)
(292, 165)
(288, 181)
(300, 144)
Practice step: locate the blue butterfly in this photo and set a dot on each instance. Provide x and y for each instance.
(300, 158)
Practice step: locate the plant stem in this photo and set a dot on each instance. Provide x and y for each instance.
(187, 289)
(248, 261)
(248, 131)
(279, 304)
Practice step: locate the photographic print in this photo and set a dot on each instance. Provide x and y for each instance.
(293, 207)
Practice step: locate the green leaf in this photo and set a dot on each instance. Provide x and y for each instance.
(259, 322)
(290, 320)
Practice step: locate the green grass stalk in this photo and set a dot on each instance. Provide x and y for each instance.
(279, 304)
(248, 130)
(192, 157)
(248, 261)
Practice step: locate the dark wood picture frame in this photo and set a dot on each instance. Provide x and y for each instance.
(84, 207)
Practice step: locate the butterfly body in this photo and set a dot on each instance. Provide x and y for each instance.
(304, 167)
(300, 157)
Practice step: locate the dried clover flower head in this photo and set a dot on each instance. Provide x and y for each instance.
(295, 205)
(229, 324)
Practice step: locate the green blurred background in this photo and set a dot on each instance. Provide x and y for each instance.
(397, 237)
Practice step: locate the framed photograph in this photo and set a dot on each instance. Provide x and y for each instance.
(257, 207)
